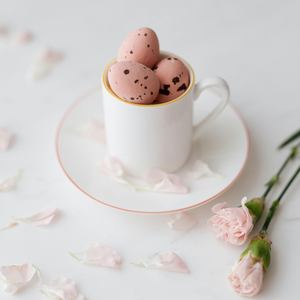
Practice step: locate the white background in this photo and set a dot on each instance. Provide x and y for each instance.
(254, 45)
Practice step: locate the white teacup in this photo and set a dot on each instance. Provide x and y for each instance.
(157, 135)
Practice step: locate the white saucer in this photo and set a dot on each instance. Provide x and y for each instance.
(224, 145)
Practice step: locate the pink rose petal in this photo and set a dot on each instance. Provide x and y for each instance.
(5, 139)
(61, 288)
(20, 38)
(50, 56)
(201, 169)
(17, 276)
(112, 167)
(100, 255)
(232, 225)
(92, 129)
(3, 34)
(9, 226)
(9, 183)
(2, 31)
(217, 207)
(181, 221)
(246, 279)
(159, 181)
(17, 38)
(40, 219)
(43, 63)
(95, 130)
(169, 261)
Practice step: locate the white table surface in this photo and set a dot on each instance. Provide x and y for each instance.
(254, 45)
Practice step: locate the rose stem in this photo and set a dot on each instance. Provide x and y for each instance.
(290, 139)
(276, 202)
(275, 178)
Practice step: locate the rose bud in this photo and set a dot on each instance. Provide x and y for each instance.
(247, 275)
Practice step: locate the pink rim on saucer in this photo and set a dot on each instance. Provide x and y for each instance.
(147, 212)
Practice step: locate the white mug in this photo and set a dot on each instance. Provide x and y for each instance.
(157, 135)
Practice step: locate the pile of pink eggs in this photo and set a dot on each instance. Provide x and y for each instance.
(138, 77)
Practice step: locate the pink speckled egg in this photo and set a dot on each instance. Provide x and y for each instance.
(174, 79)
(141, 46)
(133, 82)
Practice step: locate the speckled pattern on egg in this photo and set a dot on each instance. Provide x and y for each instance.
(133, 82)
(174, 79)
(141, 46)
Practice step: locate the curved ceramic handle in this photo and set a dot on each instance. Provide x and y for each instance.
(199, 88)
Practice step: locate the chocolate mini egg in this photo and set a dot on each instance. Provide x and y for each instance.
(141, 46)
(133, 82)
(173, 77)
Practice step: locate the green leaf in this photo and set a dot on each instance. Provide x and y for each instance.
(256, 206)
(260, 250)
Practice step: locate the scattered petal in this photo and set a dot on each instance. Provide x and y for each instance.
(9, 226)
(40, 219)
(181, 221)
(17, 276)
(201, 169)
(169, 261)
(5, 138)
(92, 129)
(20, 38)
(100, 255)
(10, 183)
(111, 166)
(43, 63)
(2, 32)
(160, 181)
(17, 38)
(61, 288)
(232, 225)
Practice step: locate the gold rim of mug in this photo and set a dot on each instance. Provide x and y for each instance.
(153, 105)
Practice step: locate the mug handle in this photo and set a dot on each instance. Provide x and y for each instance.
(210, 82)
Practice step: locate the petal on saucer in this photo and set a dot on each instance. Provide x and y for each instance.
(100, 255)
(112, 167)
(91, 129)
(17, 276)
(42, 218)
(10, 183)
(95, 130)
(5, 138)
(201, 169)
(159, 181)
(169, 261)
(181, 221)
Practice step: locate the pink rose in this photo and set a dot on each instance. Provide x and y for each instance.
(245, 278)
(232, 225)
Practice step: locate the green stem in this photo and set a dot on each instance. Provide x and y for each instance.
(290, 139)
(275, 178)
(276, 202)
